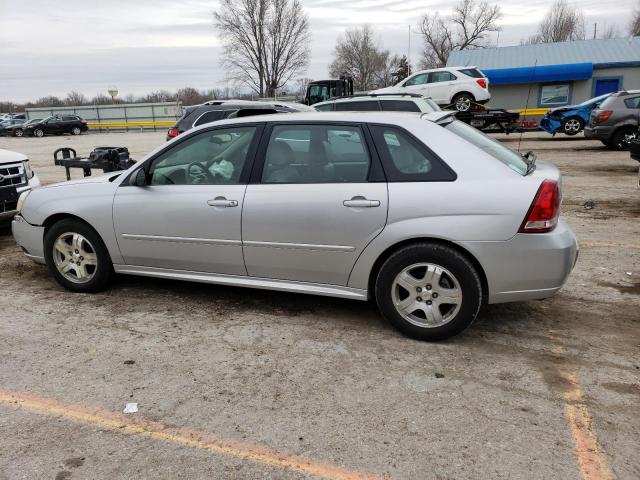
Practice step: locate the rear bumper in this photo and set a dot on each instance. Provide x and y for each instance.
(529, 266)
(29, 237)
(602, 133)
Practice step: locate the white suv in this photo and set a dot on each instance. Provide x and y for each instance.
(451, 86)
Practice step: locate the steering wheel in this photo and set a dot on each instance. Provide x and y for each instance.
(199, 174)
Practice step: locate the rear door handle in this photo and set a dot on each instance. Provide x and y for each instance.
(222, 202)
(360, 202)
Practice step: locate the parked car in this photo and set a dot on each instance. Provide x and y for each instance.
(570, 119)
(57, 125)
(16, 116)
(458, 87)
(5, 125)
(615, 122)
(220, 109)
(424, 213)
(17, 130)
(16, 177)
(398, 102)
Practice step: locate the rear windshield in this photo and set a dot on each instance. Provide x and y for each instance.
(493, 147)
(472, 72)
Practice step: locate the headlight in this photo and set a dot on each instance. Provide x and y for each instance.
(23, 196)
(27, 169)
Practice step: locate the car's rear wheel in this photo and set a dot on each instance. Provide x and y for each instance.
(76, 131)
(77, 256)
(572, 126)
(621, 138)
(18, 132)
(463, 102)
(38, 132)
(428, 291)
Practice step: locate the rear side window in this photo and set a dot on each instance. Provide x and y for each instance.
(436, 77)
(316, 154)
(406, 159)
(471, 72)
(399, 106)
(366, 106)
(210, 117)
(324, 108)
(497, 150)
(69, 119)
(633, 102)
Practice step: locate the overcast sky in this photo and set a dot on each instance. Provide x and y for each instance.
(144, 45)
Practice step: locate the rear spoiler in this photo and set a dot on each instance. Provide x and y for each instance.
(441, 117)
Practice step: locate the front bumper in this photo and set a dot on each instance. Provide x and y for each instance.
(9, 197)
(602, 133)
(529, 266)
(29, 237)
(550, 125)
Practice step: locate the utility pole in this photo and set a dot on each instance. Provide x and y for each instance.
(595, 30)
(409, 53)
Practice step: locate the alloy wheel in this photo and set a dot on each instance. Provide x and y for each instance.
(426, 295)
(572, 126)
(74, 257)
(463, 104)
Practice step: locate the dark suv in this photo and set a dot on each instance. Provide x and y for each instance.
(221, 109)
(57, 125)
(615, 122)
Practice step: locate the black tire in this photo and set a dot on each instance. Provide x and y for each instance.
(619, 140)
(76, 131)
(572, 126)
(445, 257)
(103, 271)
(38, 132)
(463, 102)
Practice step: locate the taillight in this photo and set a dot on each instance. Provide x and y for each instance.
(603, 116)
(543, 214)
(173, 132)
(482, 82)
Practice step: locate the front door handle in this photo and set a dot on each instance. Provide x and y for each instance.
(222, 202)
(361, 202)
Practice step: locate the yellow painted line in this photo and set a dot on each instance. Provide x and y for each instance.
(531, 111)
(591, 458)
(186, 437)
(587, 244)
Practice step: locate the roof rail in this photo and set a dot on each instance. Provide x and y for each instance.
(398, 94)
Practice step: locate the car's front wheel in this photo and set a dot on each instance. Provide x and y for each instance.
(18, 132)
(429, 291)
(572, 126)
(38, 132)
(77, 256)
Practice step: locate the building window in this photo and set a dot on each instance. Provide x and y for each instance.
(554, 95)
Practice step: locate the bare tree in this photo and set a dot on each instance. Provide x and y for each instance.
(265, 42)
(467, 27)
(300, 86)
(75, 98)
(562, 22)
(634, 26)
(388, 72)
(357, 54)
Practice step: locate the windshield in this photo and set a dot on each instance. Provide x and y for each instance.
(592, 101)
(493, 147)
(33, 120)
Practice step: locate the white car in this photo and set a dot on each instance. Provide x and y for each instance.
(457, 86)
(15, 177)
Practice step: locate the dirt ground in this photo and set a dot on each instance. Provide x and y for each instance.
(243, 384)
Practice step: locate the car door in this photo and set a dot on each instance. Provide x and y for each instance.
(187, 214)
(441, 85)
(418, 83)
(317, 197)
(53, 125)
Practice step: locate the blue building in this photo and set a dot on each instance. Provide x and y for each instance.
(548, 75)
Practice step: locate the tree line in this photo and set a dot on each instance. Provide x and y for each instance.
(266, 47)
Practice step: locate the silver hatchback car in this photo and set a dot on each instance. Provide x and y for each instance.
(425, 214)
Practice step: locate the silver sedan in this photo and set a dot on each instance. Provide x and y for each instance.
(424, 214)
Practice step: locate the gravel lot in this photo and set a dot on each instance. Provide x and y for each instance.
(240, 383)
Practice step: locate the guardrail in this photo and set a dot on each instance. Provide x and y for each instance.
(130, 124)
(531, 111)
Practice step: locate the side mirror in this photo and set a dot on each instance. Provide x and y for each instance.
(140, 178)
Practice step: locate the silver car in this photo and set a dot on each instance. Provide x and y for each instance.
(424, 214)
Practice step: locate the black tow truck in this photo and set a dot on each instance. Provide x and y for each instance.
(480, 117)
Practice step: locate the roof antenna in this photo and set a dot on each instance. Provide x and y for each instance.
(526, 107)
